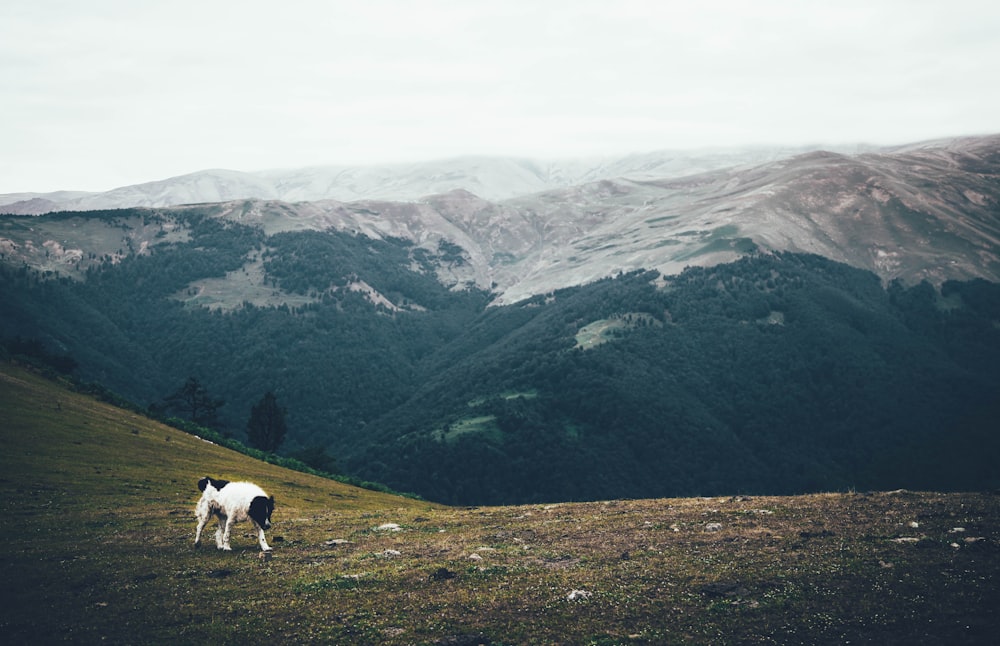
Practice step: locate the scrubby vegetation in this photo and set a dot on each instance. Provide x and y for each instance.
(97, 508)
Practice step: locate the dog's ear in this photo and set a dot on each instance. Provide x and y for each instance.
(271, 500)
(203, 483)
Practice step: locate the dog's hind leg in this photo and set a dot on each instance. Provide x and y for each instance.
(197, 533)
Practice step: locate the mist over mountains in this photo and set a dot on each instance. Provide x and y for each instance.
(812, 322)
(491, 178)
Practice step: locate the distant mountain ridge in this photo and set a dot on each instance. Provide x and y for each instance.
(928, 211)
(492, 178)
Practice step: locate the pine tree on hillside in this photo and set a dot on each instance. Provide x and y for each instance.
(266, 428)
(192, 399)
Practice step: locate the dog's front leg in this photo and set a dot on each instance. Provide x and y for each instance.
(263, 541)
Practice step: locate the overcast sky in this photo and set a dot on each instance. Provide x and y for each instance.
(106, 93)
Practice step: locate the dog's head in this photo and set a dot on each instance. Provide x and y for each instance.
(261, 509)
(215, 482)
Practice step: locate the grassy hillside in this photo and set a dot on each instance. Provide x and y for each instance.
(97, 513)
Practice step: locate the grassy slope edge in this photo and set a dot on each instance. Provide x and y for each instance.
(98, 522)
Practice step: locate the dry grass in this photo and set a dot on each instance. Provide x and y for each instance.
(98, 519)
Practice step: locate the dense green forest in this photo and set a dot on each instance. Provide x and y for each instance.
(778, 373)
(773, 374)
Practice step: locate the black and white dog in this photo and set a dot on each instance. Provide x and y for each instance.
(233, 502)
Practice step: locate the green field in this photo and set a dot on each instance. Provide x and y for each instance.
(98, 523)
(598, 332)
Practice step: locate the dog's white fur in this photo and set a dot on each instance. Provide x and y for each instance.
(230, 504)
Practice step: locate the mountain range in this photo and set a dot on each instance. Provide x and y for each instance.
(923, 211)
(492, 178)
(808, 323)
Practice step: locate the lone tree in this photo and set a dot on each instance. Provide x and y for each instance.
(193, 400)
(266, 428)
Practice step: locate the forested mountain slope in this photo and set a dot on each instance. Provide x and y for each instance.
(775, 373)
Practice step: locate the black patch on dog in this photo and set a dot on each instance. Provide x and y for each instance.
(218, 484)
(260, 510)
